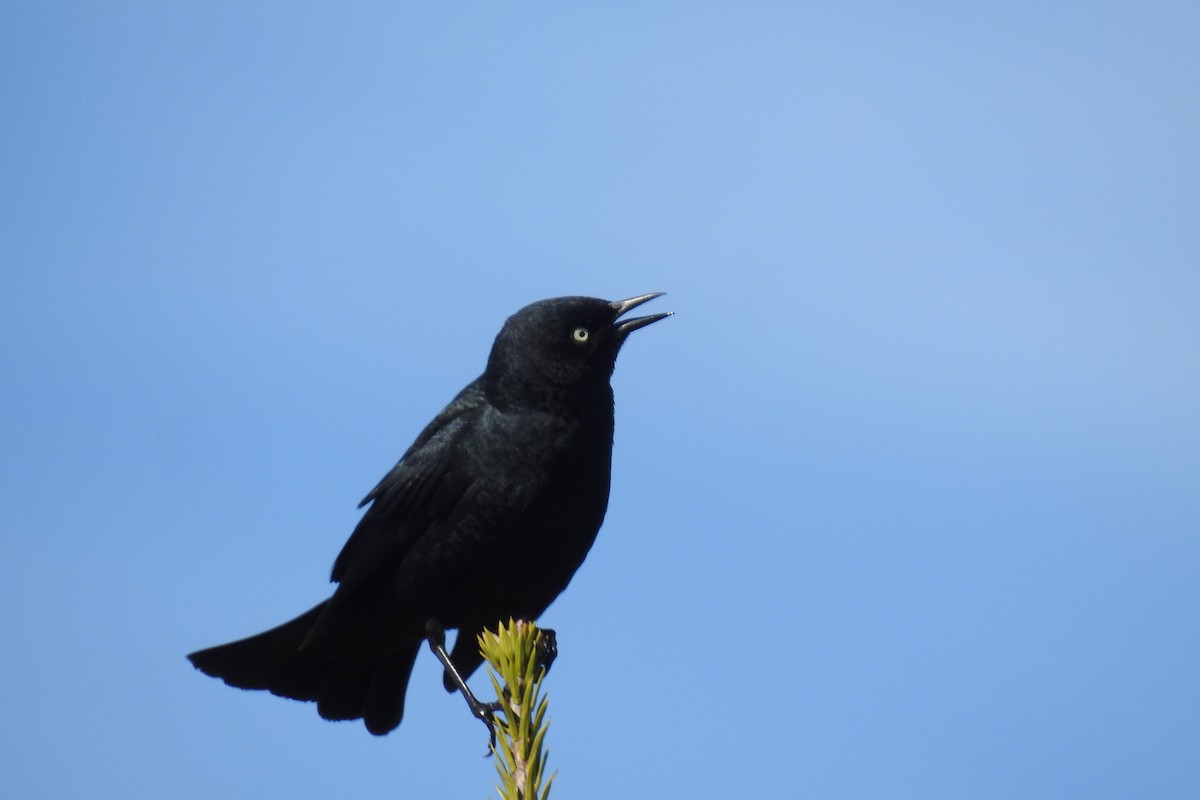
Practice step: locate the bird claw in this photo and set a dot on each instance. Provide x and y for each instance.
(547, 649)
(486, 713)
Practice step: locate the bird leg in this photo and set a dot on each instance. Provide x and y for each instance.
(435, 634)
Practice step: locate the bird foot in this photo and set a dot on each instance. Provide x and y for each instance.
(547, 649)
(435, 634)
(486, 713)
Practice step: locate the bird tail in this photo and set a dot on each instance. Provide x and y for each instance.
(346, 682)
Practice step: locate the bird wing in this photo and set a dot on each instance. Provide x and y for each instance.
(422, 487)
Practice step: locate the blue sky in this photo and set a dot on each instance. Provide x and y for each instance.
(906, 498)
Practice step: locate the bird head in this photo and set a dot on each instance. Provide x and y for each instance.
(557, 349)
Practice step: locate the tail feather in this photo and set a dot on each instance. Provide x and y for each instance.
(345, 682)
(255, 662)
(384, 705)
(344, 690)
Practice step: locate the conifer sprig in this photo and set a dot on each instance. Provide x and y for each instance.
(516, 665)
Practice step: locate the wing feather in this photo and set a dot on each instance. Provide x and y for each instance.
(422, 486)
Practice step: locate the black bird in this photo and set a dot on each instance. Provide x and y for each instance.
(485, 517)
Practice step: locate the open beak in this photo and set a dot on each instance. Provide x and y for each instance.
(628, 326)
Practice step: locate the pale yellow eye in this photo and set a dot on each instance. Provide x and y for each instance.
(580, 334)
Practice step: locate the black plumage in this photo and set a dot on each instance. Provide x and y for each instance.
(486, 516)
